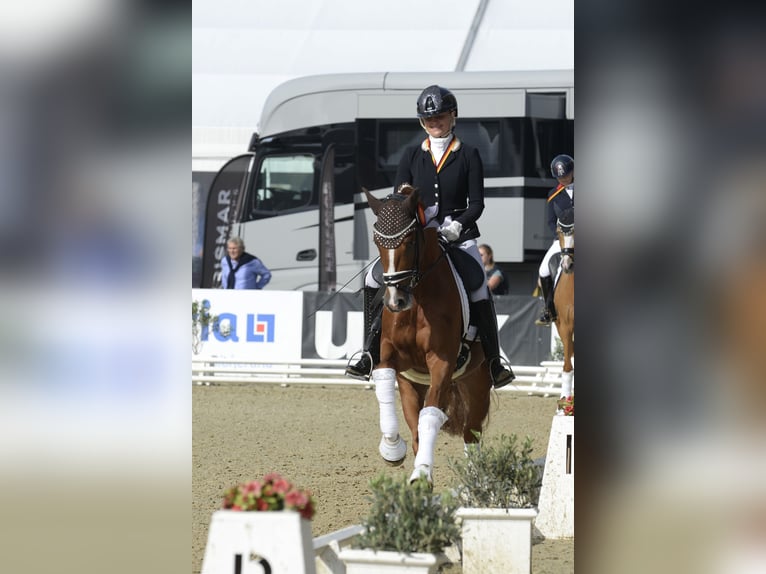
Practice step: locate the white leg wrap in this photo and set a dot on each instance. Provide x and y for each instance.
(567, 384)
(385, 390)
(430, 421)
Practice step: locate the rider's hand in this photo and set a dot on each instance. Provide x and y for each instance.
(451, 231)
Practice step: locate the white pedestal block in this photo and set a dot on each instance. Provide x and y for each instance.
(556, 505)
(242, 542)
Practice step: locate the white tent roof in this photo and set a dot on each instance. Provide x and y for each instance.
(242, 49)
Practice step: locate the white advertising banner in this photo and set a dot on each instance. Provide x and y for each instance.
(255, 325)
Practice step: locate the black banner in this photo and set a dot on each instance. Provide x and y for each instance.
(219, 216)
(327, 266)
(523, 342)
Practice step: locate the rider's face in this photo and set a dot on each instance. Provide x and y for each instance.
(439, 126)
(566, 180)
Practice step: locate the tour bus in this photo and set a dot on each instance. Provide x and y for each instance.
(296, 196)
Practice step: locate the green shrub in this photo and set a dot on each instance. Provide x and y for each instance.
(408, 517)
(497, 474)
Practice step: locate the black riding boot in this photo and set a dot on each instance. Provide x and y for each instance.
(549, 312)
(373, 309)
(486, 321)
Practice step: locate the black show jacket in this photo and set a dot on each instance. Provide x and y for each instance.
(457, 189)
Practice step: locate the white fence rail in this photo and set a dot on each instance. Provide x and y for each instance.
(544, 380)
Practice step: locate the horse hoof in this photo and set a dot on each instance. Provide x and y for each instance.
(421, 471)
(393, 451)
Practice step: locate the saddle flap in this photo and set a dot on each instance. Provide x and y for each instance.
(554, 264)
(467, 267)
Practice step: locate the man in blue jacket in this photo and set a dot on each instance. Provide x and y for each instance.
(241, 270)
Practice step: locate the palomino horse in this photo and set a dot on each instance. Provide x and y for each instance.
(563, 298)
(421, 336)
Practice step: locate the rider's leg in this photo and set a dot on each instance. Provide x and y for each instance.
(549, 312)
(483, 309)
(486, 321)
(372, 318)
(546, 284)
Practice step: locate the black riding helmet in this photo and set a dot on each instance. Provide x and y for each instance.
(562, 165)
(435, 100)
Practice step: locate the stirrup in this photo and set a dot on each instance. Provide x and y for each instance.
(362, 369)
(502, 370)
(544, 320)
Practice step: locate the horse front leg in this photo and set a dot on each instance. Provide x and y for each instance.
(567, 376)
(392, 447)
(430, 420)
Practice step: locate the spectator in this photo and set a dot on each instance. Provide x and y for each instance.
(495, 277)
(241, 270)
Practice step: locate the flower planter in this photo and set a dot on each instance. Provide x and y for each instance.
(497, 540)
(362, 561)
(278, 541)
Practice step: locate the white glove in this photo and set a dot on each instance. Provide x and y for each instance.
(451, 231)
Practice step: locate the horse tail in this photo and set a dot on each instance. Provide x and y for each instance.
(456, 411)
(467, 406)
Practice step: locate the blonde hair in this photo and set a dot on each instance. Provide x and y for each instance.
(488, 249)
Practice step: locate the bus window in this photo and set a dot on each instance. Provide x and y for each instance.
(283, 184)
(395, 136)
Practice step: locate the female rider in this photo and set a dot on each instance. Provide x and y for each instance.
(450, 178)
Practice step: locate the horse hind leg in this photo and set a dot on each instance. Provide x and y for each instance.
(477, 401)
(392, 447)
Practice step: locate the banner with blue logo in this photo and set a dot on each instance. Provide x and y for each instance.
(257, 325)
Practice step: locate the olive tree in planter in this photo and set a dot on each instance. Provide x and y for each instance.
(202, 319)
(497, 484)
(407, 529)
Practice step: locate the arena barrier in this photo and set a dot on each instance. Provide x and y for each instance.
(543, 380)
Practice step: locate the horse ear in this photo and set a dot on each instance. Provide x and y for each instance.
(373, 201)
(412, 200)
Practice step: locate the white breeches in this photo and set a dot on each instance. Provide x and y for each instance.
(544, 270)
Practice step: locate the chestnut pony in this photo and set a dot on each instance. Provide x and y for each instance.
(563, 298)
(422, 328)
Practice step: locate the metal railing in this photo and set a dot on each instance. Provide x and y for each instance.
(544, 380)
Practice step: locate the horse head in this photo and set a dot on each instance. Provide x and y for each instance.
(397, 234)
(565, 227)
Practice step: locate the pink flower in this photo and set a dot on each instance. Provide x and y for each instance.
(273, 492)
(281, 486)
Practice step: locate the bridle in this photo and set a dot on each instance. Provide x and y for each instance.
(407, 279)
(567, 230)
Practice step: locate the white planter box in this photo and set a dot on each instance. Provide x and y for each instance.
(497, 540)
(249, 542)
(360, 561)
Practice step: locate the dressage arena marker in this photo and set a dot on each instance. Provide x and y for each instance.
(556, 505)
